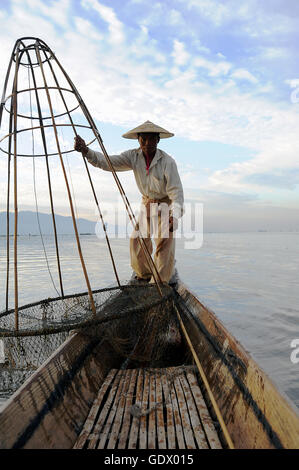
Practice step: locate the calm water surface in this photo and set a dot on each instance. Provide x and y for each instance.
(248, 279)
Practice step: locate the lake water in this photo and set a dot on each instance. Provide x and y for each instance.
(250, 281)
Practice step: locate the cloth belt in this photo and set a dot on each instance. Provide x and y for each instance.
(146, 201)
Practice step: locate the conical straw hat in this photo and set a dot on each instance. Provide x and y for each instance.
(147, 126)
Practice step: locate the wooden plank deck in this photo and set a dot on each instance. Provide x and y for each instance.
(149, 409)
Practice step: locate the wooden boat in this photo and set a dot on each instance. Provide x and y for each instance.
(80, 398)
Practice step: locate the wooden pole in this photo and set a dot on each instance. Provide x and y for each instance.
(8, 174)
(8, 204)
(206, 383)
(15, 110)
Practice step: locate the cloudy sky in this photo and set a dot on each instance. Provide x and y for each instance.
(222, 75)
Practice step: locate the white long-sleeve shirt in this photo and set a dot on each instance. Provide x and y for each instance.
(160, 181)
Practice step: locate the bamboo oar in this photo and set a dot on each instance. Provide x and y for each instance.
(206, 383)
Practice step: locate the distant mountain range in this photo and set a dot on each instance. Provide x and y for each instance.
(28, 224)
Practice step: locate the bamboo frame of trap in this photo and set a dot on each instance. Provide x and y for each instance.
(32, 53)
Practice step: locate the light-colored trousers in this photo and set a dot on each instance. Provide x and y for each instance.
(153, 222)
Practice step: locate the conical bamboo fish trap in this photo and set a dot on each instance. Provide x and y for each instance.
(41, 121)
(41, 113)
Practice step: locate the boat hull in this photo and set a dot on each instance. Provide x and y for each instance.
(49, 410)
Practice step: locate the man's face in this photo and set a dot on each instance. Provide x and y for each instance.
(148, 142)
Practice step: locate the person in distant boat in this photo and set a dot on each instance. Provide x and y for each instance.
(159, 182)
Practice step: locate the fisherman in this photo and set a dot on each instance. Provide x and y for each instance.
(158, 181)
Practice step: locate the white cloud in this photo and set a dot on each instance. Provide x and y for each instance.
(293, 82)
(273, 53)
(179, 53)
(274, 166)
(200, 47)
(144, 47)
(214, 11)
(215, 68)
(244, 74)
(175, 17)
(107, 14)
(256, 19)
(87, 29)
(57, 12)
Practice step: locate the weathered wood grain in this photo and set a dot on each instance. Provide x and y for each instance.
(90, 421)
(143, 434)
(49, 409)
(127, 418)
(161, 436)
(205, 429)
(114, 435)
(169, 425)
(134, 431)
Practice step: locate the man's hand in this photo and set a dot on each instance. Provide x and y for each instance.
(173, 224)
(80, 145)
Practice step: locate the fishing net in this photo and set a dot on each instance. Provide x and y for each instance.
(136, 321)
